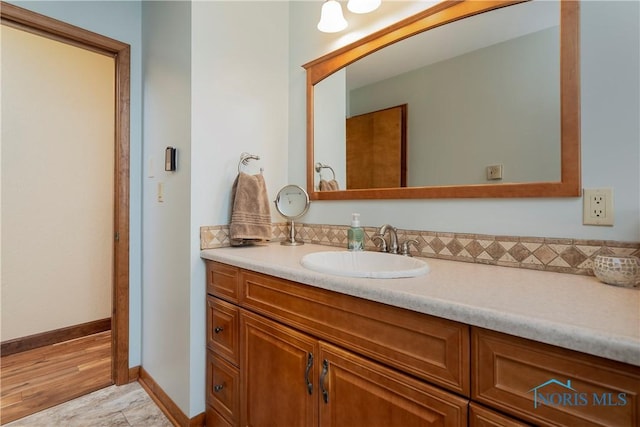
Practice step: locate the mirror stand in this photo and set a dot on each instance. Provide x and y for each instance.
(292, 236)
(292, 202)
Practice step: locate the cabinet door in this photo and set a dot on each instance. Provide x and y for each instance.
(357, 392)
(277, 372)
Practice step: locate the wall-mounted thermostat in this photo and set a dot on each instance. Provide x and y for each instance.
(170, 159)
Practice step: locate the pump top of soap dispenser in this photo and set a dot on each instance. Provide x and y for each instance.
(355, 220)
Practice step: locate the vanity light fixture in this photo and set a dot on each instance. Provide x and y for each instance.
(363, 6)
(331, 18)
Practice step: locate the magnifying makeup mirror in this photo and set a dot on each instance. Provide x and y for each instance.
(292, 202)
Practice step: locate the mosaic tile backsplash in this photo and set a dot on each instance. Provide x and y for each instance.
(539, 253)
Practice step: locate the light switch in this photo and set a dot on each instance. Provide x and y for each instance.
(160, 195)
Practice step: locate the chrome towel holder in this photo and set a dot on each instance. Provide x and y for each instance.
(320, 166)
(244, 160)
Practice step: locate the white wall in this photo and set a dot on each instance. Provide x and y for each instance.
(120, 20)
(330, 107)
(58, 126)
(166, 77)
(610, 135)
(239, 102)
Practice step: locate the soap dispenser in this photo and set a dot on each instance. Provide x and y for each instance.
(355, 234)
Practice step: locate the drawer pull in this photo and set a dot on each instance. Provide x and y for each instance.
(306, 373)
(218, 329)
(323, 375)
(218, 388)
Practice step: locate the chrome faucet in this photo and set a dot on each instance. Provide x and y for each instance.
(392, 246)
(406, 246)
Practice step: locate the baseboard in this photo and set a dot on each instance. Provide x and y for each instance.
(134, 374)
(30, 342)
(168, 406)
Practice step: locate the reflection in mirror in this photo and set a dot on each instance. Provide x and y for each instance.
(481, 91)
(376, 146)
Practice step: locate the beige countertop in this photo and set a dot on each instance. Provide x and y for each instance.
(570, 311)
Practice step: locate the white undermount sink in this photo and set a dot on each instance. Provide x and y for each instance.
(374, 265)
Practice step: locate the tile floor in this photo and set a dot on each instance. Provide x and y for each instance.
(114, 406)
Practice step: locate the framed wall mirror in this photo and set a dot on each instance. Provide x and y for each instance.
(492, 97)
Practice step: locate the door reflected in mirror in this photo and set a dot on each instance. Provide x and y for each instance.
(376, 146)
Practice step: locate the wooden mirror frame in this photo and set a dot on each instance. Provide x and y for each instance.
(441, 14)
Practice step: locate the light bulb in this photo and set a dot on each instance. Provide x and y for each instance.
(363, 6)
(331, 18)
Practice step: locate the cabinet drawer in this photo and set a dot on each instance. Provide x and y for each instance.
(479, 416)
(431, 348)
(214, 419)
(222, 329)
(222, 281)
(547, 385)
(223, 387)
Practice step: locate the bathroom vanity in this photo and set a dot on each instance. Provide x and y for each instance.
(466, 344)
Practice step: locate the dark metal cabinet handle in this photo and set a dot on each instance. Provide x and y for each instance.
(323, 375)
(217, 388)
(218, 329)
(306, 373)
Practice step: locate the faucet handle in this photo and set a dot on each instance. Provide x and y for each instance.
(383, 243)
(406, 245)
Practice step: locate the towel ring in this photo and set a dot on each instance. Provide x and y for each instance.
(320, 166)
(244, 160)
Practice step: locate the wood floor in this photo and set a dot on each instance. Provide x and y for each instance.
(43, 377)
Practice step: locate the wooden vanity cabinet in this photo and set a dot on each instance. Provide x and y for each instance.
(309, 357)
(288, 354)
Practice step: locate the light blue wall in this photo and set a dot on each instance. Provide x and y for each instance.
(610, 46)
(239, 103)
(166, 275)
(120, 20)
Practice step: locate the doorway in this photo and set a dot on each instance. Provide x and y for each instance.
(377, 149)
(22, 19)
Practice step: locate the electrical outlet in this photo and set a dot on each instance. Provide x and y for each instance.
(597, 206)
(494, 172)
